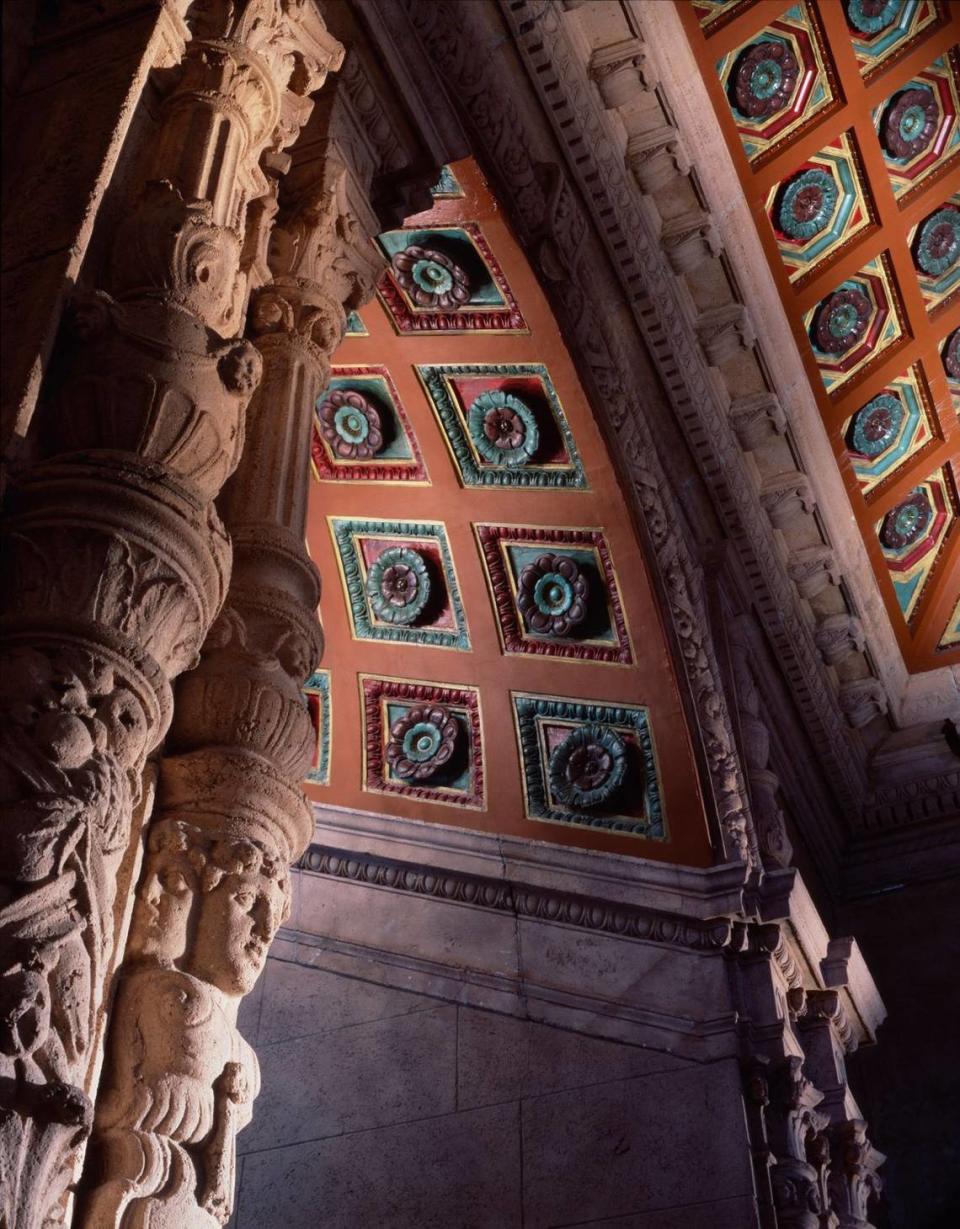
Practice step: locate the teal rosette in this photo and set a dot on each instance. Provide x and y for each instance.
(398, 585)
(808, 204)
(588, 767)
(502, 428)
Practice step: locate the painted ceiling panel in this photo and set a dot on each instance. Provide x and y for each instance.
(494, 656)
(841, 117)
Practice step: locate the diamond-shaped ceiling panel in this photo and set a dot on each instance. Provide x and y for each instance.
(475, 549)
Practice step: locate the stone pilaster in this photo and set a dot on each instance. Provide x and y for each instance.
(180, 1080)
(118, 563)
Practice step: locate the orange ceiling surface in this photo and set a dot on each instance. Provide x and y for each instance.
(494, 658)
(841, 117)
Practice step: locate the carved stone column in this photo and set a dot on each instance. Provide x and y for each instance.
(180, 1080)
(117, 564)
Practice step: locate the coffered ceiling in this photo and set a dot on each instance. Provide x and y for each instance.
(842, 122)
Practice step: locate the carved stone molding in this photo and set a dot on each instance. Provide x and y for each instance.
(524, 900)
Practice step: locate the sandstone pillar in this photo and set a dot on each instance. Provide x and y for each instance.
(180, 1080)
(117, 562)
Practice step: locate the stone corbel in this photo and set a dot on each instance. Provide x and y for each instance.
(813, 569)
(756, 417)
(656, 158)
(837, 636)
(863, 700)
(689, 240)
(724, 332)
(786, 496)
(854, 1182)
(620, 70)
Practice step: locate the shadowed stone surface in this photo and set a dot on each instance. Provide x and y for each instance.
(458, 1170)
(350, 1079)
(628, 1147)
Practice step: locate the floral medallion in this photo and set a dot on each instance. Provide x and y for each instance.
(588, 767)
(842, 321)
(351, 425)
(906, 523)
(552, 595)
(808, 204)
(872, 16)
(421, 742)
(430, 277)
(820, 207)
(503, 429)
(445, 279)
(849, 328)
(398, 585)
(917, 125)
(591, 765)
(765, 79)
(877, 425)
(914, 535)
(890, 430)
(911, 123)
(938, 243)
(882, 31)
(504, 424)
(777, 81)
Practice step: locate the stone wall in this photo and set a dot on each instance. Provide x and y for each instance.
(384, 1106)
(460, 1029)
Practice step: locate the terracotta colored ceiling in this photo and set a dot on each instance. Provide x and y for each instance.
(842, 120)
(494, 658)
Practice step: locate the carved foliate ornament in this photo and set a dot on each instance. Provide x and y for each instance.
(421, 742)
(552, 595)
(588, 767)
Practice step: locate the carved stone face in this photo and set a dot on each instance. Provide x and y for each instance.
(170, 887)
(239, 915)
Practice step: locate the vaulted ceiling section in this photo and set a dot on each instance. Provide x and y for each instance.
(842, 122)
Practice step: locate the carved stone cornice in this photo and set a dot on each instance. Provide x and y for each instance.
(519, 899)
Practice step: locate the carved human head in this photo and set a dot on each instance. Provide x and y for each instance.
(245, 897)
